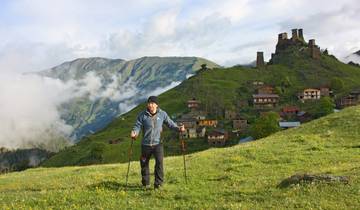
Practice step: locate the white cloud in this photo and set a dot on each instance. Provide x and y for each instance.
(52, 32)
(28, 110)
(160, 90)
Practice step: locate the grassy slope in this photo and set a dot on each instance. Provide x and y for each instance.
(244, 176)
(221, 84)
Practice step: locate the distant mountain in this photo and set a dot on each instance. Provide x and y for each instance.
(353, 59)
(115, 86)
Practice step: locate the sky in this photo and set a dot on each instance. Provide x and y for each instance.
(39, 34)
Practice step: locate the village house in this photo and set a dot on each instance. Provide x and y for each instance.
(257, 83)
(230, 114)
(356, 94)
(242, 103)
(264, 101)
(352, 99)
(193, 104)
(289, 111)
(187, 122)
(197, 114)
(200, 131)
(217, 137)
(240, 124)
(208, 123)
(265, 89)
(303, 116)
(286, 125)
(309, 94)
(325, 92)
(192, 133)
(347, 101)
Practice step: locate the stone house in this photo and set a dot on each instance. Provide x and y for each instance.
(240, 124)
(230, 114)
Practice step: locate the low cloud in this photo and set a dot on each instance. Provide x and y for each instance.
(29, 107)
(28, 110)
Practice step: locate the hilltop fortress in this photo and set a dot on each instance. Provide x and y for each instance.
(284, 43)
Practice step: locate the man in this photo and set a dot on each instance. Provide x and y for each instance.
(150, 121)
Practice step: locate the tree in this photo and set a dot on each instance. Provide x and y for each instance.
(337, 84)
(322, 107)
(203, 67)
(326, 52)
(97, 151)
(265, 125)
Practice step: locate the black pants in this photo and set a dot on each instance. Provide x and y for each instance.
(146, 152)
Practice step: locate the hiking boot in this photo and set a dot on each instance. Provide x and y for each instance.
(157, 187)
(146, 187)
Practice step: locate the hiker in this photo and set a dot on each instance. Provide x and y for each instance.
(151, 121)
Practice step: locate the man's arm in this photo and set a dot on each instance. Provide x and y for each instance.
(137, 127)
(171, 124)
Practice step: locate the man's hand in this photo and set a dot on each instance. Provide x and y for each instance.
(133, 135)
(182, 128)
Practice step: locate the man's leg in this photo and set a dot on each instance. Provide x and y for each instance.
(159, 169)
(144, 163)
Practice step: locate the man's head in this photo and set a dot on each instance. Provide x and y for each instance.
(152, 104)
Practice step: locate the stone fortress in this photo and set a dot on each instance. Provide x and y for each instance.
(297, 39)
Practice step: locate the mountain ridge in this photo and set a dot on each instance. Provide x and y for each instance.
(127, 83)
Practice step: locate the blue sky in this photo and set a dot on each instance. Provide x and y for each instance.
(39, 34)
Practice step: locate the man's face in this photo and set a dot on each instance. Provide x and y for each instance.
(152, 107)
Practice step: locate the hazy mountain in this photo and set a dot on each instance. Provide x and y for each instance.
(353, 58)
(114, 86)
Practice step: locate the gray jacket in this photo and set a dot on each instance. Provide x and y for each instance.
(152, 126)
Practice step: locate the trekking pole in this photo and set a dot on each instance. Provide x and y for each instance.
(183, 153)
(130, 155)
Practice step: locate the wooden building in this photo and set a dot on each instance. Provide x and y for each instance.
(265, 89)
(230, 114)
(217, 137)
(193, 104)
(187, 122)
(264, 101)
(240, 124)
(208, 123)
(309, 94)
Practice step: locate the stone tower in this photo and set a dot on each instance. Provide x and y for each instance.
(294, 34)
(282, 36)
(301, 35)
(260, 59)
(314, 49)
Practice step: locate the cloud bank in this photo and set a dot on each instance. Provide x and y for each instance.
(43, 33)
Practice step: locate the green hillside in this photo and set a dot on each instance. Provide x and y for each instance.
(245, 176)
(217, 89)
